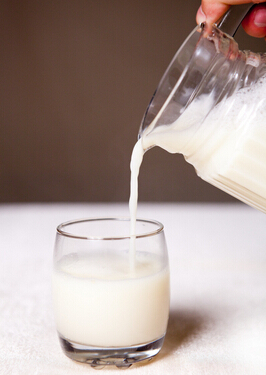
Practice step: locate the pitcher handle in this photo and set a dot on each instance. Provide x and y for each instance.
(232, 19)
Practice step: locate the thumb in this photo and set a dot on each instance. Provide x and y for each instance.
(210, 12)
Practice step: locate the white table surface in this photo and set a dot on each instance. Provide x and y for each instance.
(217, 319)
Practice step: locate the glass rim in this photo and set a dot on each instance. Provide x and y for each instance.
(59, 229)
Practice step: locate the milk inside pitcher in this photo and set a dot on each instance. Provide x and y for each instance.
(215, 115)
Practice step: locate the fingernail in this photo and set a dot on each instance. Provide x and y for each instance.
(260, 18)
(201, 17)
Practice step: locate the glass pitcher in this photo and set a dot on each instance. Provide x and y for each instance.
(211, 106)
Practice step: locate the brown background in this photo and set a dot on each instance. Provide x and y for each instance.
(76, 77)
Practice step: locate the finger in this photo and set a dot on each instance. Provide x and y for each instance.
(212, 10)
(210, 13)
(255, 22)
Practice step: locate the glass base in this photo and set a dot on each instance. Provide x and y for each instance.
(98, 357)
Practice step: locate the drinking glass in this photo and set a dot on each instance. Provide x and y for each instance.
(110, 290)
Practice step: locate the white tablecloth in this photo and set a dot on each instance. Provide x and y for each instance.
(218, 289)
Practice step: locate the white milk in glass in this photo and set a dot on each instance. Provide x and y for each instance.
(113, 299)
(101, 306)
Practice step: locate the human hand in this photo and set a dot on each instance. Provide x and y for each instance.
(254, 23)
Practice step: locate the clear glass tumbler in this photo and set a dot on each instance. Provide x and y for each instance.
(110, 291)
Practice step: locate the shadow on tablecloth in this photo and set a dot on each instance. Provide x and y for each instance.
(182, 327)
